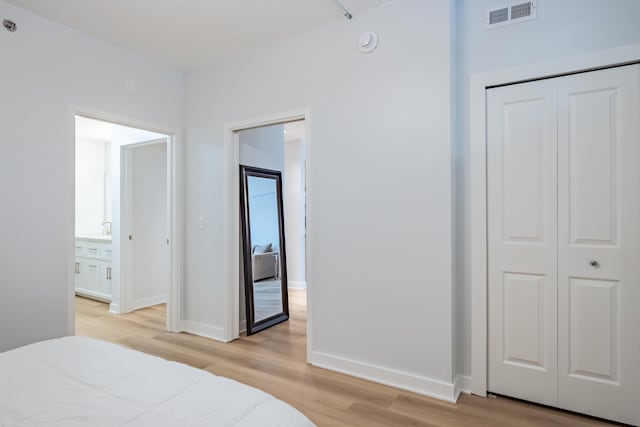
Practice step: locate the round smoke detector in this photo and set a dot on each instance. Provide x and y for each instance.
(368, 42)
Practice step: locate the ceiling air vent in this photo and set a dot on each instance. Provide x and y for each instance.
(511, 13)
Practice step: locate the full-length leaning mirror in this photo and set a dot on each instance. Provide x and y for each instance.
(265, 272)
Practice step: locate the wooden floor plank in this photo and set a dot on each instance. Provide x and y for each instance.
(274, 360)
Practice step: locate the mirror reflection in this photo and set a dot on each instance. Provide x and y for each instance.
(263, 238)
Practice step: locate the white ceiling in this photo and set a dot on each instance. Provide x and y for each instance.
(188, 33)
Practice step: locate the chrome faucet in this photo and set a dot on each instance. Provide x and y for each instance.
(106, 228)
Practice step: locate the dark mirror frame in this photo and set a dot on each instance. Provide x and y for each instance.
(252, 325)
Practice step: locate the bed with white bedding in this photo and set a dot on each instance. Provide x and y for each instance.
(82, 381)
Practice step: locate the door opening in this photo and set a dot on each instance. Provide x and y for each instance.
(274, 151)
(124, 214)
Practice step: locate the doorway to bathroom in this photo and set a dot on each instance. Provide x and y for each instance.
(123, 221)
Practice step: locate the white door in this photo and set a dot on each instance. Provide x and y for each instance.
(522, 241)
(599, 243)
(564, 320)
(149, 230)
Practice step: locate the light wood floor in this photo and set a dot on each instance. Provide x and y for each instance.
(274, 361)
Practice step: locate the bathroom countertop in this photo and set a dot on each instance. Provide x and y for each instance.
(94, 238)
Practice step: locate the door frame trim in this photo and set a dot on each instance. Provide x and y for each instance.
(232, 229)
(478, 85)
(175, 151)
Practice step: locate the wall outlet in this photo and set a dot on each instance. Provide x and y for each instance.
(202, 223)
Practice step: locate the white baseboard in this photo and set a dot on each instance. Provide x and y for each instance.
(99, 296)
(147, 302)
(398, 379)
(296, 285)
(114, 308)
(243, 326)
(204, 330)
(462, 384)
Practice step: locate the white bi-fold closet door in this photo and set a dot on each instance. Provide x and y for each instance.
(563, 185)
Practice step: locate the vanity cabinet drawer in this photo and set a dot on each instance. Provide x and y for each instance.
(106, 252)
(87, 249)
(91, 249)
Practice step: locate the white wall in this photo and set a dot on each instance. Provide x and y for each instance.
(380, 195)
(108, 196)
(562, 28)
(293, 194)
(262, 147)
(90, 186)
(51, 68)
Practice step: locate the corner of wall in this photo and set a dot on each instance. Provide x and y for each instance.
(456, 194)
(462, 384)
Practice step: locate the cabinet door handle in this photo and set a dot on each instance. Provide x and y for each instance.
(108, 273)
(77, 267)
(93, 266)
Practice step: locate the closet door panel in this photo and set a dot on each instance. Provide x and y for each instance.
(593, 167)
(593, 326)
(599, 243)
(522, 240)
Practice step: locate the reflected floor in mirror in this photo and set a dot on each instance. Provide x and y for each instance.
(267, 297)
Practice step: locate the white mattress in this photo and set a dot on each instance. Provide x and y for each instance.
(81, 381)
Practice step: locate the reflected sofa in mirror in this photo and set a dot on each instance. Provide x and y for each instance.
(263, 247)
